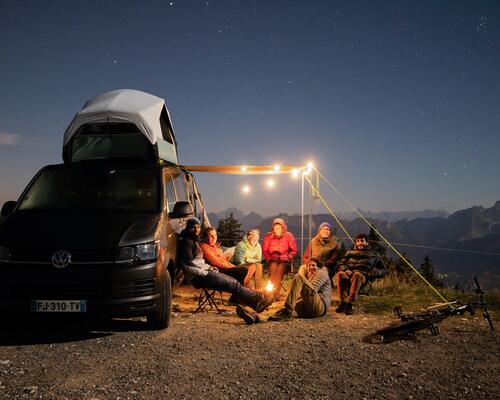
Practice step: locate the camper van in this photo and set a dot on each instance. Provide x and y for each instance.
(96, 235)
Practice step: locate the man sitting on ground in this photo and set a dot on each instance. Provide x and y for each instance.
(309, 295)
(355, 266)
(203, 275)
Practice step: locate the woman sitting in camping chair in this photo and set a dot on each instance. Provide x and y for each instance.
(325, 247)
(279, 248)
(214, 256)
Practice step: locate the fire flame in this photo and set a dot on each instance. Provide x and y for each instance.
(269, 287)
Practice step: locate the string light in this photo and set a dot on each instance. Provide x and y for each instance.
(270, 183)
(245, 189)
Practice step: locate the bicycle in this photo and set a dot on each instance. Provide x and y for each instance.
(413, 322)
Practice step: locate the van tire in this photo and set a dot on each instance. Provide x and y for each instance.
(160, 318)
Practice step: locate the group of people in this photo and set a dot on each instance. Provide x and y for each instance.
(206, 266)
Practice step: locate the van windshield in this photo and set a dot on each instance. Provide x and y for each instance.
(93, 189)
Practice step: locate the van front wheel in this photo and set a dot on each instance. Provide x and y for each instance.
(160, 318)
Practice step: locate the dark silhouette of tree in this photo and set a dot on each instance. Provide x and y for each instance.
(428, 272)
(229, 231)
(376, 242)
(400, 270)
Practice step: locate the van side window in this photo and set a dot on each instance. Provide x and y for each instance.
(181, 189)
(166, 129)
(169, 191)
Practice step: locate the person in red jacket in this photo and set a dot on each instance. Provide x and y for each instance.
(279, 248)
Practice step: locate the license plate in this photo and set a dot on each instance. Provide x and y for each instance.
(58, 305)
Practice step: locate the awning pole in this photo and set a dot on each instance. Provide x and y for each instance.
(310, 216)
(302, 217)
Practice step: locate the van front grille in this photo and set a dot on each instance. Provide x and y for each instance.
(77, 255)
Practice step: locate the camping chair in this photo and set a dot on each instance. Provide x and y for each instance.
(207, 298)
(380, 270)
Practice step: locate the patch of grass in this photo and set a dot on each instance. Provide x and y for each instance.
(390, 292)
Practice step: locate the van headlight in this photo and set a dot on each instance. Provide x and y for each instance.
(4, 254)
(141, 252)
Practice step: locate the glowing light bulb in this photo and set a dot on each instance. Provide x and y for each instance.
(295, 173)
(269, 287)
(245, 189)
(270, 183)
(310, 165)
(244, 168)
(277, 167)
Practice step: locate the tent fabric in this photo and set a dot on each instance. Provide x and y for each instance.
(124, 105)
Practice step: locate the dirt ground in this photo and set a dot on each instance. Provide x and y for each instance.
(217, 356)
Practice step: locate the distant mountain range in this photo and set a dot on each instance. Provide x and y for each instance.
(391, 216)
(248, 221)
(394, 216)
(472, 235)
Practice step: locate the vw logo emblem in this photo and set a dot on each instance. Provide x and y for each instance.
(61, 259)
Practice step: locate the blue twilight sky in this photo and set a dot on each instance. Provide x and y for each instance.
(397, 102)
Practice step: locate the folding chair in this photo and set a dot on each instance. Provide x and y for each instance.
(380, 271)
(207, 298)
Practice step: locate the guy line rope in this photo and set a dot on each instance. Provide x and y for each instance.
(316, 191)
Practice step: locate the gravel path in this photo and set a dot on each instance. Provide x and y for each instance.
(207, 355)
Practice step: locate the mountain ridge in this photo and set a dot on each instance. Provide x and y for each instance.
(464, 242)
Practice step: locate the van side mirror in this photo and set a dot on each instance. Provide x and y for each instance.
(7, 208)
(182, 209)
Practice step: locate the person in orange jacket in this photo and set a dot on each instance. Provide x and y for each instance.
(214, 256)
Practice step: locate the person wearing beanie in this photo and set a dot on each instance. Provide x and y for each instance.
(325, 247)
(279, 248)
(192, 222)
(309, 295)
(203, 275)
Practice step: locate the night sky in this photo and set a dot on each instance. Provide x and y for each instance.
(396, 102)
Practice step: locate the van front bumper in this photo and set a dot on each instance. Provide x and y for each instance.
(110, 289)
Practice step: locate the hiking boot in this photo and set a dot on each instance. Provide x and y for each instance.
(263, 303)
(248, 316)
(348, 309)
(285, 314)
(341, 307)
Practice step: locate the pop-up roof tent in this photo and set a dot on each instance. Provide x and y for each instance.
(123, 124)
